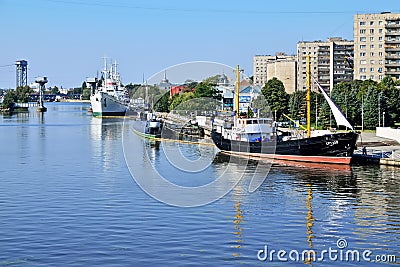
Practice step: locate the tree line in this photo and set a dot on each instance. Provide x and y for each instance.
(375, 102)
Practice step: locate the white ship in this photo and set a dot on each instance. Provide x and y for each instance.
(110, 98)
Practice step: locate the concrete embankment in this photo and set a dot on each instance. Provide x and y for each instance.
(373, 149)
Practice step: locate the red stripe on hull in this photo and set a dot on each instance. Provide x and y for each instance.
(310, 159)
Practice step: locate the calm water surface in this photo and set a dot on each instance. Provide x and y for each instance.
(67, 198)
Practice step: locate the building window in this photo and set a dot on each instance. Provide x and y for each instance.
(363, 62)
(362, 23)
(363, 39)
(363, 70)
(380, 46)
(380, 54)
(371, 69)
(371, 22)
(380, 70)
(363, 46)
(363, 77)
(380, 62)
(380, 22)
(362, 31)
(372, 46)
(371, 31)
(371, 39)
(380, 31)
(380, 38)
(371, 54)
(380, 77)
(362, 54)
(372, 77)
(372, 62)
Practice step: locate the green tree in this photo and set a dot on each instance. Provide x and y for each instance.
(298, 106)
(86, 94)
(132, 88)
(55, 91)
(274, 93)
(77, 90)
(162, 104)
(250, 113)
(206, 89)
(84, 86)
(261, 104)
(371, 108)
(9, 99)
(22, 93)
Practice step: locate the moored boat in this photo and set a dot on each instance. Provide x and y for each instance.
(110, 98)
(153, 126)
(260, 137)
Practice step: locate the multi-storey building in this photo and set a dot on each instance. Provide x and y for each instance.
(376, 46)
(281, 66)
(331, 62)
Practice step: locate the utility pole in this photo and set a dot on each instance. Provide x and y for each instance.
(316, 112)
(362, 112)
(379, 110)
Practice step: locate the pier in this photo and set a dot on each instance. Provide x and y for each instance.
(376, 150)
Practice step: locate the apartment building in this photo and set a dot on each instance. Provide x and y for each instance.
(376, 46)
(281, 66)
(331, 62)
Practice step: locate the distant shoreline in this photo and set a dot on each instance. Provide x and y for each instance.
(75, 100)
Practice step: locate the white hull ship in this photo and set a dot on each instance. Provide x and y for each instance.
(111, 98)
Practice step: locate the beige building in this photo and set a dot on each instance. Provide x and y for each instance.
(376, 46)
(281, 66)
(331, 62)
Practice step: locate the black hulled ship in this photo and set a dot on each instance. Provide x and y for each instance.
(259, 137)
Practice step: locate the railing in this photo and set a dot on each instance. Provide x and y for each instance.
(377, 153)
(396, 155)
(26, 105)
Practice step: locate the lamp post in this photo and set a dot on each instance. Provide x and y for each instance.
(383, 119)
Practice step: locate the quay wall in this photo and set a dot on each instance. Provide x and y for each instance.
(389, 133)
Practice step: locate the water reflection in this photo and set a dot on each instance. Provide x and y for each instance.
(309, 222)
(103, 134)
(238, 219)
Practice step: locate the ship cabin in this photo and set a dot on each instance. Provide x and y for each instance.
(250, 130)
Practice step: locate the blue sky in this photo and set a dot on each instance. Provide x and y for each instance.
(65, 40)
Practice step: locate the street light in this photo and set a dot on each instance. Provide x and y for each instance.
(383, 118)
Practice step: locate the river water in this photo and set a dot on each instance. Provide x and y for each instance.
(69, 197)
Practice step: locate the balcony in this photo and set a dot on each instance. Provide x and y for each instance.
(392, 41)
(392, 48)
(392, 65)
(392, 56)
(392, 72)
(392, 33)
(392, 26)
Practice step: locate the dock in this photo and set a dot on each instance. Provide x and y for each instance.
(376, 150)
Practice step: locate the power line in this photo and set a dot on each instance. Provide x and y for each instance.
(3, 66)
(241, 11)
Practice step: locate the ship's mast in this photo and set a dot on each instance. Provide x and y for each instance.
(308, 97)
(237, 85)
(105, 73)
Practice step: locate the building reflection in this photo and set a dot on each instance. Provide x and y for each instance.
(378, 202)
